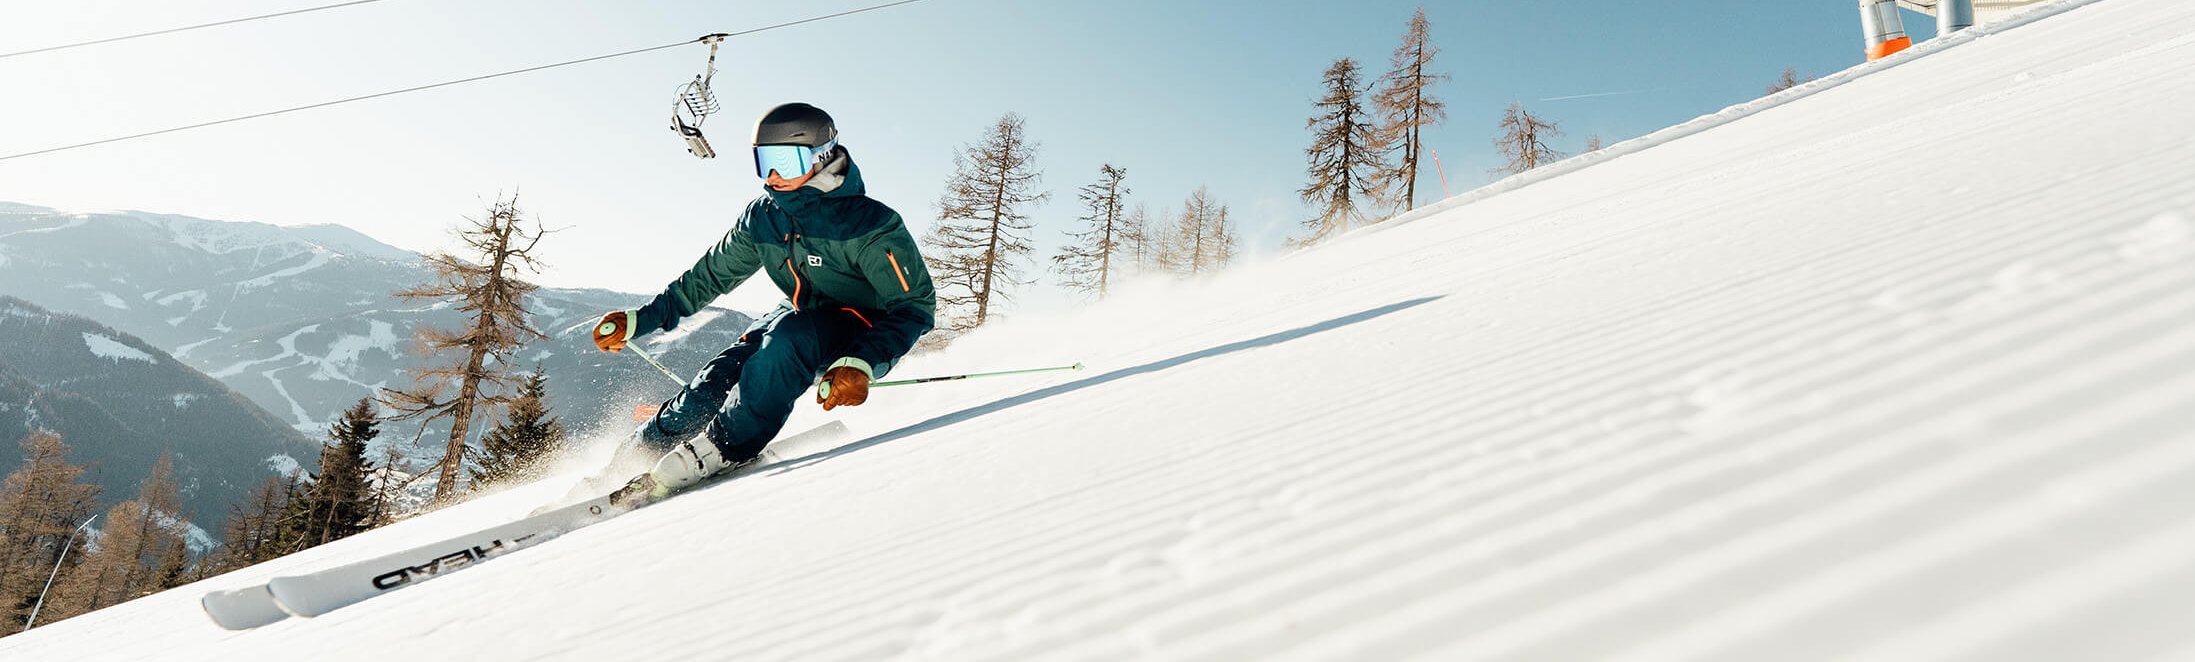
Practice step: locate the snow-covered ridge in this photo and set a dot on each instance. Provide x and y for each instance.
(272, 242)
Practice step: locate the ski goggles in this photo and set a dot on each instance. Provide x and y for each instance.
(790, 161)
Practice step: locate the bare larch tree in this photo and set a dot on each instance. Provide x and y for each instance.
(1085, 263)
(140, 539)
(41, 503)
(1405, 110)
(1523, 141)
(1791, 78)
(40, 507)
(1136, 240)
(1200, 240)
(487, 287)
(1345, 154)
(976, 249)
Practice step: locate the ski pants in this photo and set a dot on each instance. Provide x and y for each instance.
(743, 396)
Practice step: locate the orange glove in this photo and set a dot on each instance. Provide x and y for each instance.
(615, 328)
(844, 385)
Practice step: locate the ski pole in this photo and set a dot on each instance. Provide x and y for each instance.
(926, 380)
(609, 328)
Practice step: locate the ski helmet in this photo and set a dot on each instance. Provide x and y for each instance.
(796, 124)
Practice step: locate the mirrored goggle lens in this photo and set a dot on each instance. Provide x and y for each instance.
(789, 161)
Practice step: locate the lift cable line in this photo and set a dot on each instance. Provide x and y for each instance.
(702, 40)
(186, 28)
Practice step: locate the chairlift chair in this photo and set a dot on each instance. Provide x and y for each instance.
(695, 102)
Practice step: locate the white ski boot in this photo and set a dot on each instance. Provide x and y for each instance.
(689, 462)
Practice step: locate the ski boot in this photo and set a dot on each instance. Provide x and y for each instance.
(689, 462)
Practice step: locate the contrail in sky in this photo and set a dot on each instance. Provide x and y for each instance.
(1596, 95)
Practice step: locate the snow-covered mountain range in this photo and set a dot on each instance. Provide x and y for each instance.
(119, 403)
(301, 319)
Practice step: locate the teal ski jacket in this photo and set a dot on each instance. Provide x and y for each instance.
(825, 251)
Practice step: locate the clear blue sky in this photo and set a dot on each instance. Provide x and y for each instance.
(1181, 93)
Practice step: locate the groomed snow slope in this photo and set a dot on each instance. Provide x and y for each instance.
(1801, 386)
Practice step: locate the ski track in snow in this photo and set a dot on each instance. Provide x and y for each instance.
(320, 258)
(1758, 392)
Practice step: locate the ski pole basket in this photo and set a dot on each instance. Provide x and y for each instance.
(695, 102)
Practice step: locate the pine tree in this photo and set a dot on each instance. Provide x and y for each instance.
(490, 289)
(174, 569)
(527, 434)
(975, 250)
(41, 504)
(257, 531)
(340, 502)
(1344, 155)
(1405, 110)
(1523, 141)
(1086, 263)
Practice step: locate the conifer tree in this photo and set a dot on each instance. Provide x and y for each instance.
(166, 528)
(1406, 109)
(1523, 141)
(108, 573)
(140, 538)
(1086, 263)
(41, 504)
(975, 250)
(173, 570)
(340, 501)
(1344, 155)
(487, 286)
(257, 530)
(527, 434)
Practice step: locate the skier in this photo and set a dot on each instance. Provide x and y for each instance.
(857, 298)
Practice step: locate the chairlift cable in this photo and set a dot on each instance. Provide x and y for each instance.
(186, 28)
(704, 39)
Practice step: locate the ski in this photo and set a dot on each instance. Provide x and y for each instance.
(317, 593)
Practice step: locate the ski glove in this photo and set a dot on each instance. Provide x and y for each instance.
(614, 330)
(846, 384)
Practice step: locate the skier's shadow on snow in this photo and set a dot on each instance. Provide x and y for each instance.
(1070, 387)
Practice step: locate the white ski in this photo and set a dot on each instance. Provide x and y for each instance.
(324, 591)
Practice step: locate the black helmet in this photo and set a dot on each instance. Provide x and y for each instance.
(796, 124)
